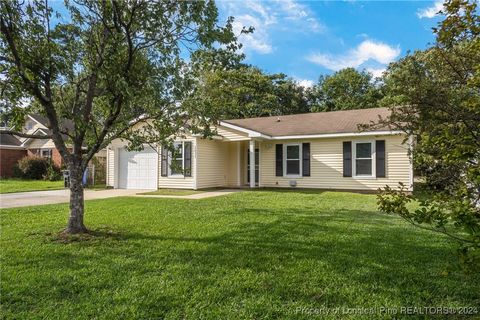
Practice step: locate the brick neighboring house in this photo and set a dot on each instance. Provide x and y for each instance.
(10, 152)
(13, 148)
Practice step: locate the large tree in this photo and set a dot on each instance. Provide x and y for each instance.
(344, 90)
(243, 91)
(435, 97)
(106, 66)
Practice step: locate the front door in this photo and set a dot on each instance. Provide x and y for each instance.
(257, 165)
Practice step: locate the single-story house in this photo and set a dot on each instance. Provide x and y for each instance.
(316, 150)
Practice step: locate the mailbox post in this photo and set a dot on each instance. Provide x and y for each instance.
(66, 178)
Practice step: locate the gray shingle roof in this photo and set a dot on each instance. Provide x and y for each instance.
(314, 123)
(64, 123)
(9, 140)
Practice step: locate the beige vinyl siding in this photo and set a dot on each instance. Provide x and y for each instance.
(232, 163)
(212, 157)
(326, 165)
(163, 182)
(110, 167)
(179, 182)
(231, 135)
(41, 144)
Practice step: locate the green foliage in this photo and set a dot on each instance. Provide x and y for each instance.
(344, 90)
(36, 168)
(105, 66)
(244, 91)
(438, 175)
(31, 167)
(53, 173)
(435, 97)
(249, 255)
(449, 215)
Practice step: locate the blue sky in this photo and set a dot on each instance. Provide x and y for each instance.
(307, 38)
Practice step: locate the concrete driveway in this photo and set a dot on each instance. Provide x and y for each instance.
(35, 198)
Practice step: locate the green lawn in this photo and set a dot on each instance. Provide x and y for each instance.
(172, 192)
(249, 255)
(177, 192)
(20, 185)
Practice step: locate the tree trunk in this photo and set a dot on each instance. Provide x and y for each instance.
(75, 221)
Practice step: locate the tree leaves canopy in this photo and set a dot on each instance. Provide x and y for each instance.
(105, 65)
(345, 90)
(434, 96)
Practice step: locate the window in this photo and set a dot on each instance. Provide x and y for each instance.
(176, 161)
(29, 125)
(292, 159)
(46, 153)
(363, 156)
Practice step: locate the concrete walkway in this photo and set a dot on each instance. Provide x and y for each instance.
(35, 198)
(203, 195)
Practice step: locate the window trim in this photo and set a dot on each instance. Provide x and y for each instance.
(50, 151)
(176, 175)
(354, 160)
(299, 145)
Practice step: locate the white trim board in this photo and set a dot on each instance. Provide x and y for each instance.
(338, 135)
(24, 143)
(373, 160)
(251, 133)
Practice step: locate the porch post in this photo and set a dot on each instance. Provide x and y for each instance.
(252, 163)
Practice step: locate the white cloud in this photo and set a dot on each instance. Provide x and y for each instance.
(269, 17)
(299, 14)
(367, 50)
(432, 11)
(376, 72)
(306, 83)
(258, 40)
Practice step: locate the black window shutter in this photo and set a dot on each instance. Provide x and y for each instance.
(380, 158)
(279, 160)
(347, 158)
(187, 153)
(164, 162)
(306, 159)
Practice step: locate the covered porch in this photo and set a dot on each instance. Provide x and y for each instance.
(242, 166)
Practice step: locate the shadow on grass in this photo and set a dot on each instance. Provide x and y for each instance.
(307, 258)
(304, 255)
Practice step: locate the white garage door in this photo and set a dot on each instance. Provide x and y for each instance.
(138, 169)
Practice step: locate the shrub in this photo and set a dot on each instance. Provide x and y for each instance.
(53, 173)
(36, 168)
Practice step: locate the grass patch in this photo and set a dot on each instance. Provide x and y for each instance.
(21, 185)
(249, 255)
(177, 192)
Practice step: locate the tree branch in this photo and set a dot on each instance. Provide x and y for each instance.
(34, 88)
